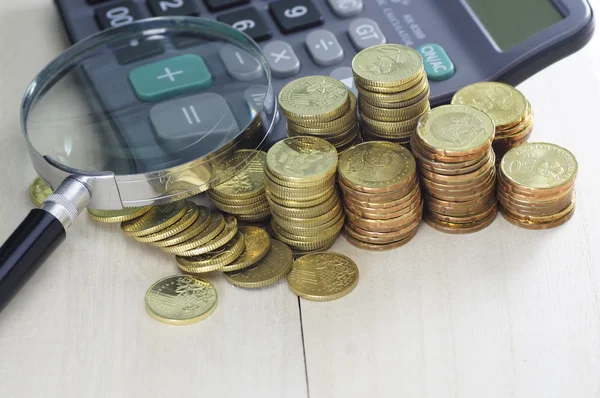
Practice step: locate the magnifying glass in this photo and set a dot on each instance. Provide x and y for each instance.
(144, 114)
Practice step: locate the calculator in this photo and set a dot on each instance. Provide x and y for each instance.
(461, 41)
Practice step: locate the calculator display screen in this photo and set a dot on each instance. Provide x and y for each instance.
(511, 22)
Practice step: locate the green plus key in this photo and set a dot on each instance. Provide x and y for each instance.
(438, 64)
(170, 77)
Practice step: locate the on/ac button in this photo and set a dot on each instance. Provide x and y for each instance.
(438, 64)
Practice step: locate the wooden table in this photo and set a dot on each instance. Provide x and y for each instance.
(502, 313)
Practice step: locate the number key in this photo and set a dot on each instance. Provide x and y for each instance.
(295, 15)
(249, 21)
(118, 14)
(217, 5)
(163, 8)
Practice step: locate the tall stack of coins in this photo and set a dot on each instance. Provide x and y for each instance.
(536, 185)
(508, 108)
(453, 147)
(300, 182)
(243, 195)
(382, 198)
(393, 91)
(323, 107)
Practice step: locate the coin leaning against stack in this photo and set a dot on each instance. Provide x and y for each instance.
(322, 107)
(382, 198)
(536, 185)
(243, 196)
(509, 109)
(301, 190)
(393, 91)
(453, 147)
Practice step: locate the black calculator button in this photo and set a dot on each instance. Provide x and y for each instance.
(164, 8)
(249, 21)
(218, 5)
(92, 2)
(295, 15)
(118, 14)
(139, 51)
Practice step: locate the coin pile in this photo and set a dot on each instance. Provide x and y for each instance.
(393, 91)
(508, 108)
(453, 147)
(323, 107)
(243, 196)
(536, 185)
(39, 191)
(382, 198)
(301, 190)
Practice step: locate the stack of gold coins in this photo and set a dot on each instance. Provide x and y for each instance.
(536, 185)
(323, 107)
(508, 108)
(382, 198)
(300, 182)
(393, 91)
(243, 196)
(453, 147)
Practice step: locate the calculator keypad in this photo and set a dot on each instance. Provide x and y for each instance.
(240, 65)
(365, 32)
(164, 8)
(295, 15)
(218, 5)
(282, 59)
(118, 14)
(324, 47)
(249, 21)
(138, 51)
(346, 8)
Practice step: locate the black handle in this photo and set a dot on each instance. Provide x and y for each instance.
(26, 249)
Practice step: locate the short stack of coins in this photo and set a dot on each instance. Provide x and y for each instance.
(453, 147)
(243, 196)
(393, 91)
(509, 109)
(323, 107)
(536, 185)
(382, 197)
(300, 183)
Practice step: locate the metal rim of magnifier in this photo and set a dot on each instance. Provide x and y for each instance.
(113, 192)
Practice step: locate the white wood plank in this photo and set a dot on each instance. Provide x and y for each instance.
(503, 313)
(79, 327)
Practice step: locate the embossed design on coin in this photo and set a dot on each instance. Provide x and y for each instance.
(323, 276)
(257, 244)
(181, 300)
(456, 128)
(387, 63)
(39, 191)
(274, 266)
(250, 177)
(505, 104)
(312, 96)
(302, 157)
(539, 165)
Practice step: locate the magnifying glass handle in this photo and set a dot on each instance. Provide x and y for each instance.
(26, 249)
(38, 235)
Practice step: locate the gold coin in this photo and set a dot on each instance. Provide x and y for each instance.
(406, 96)
(386, 66)
(214, 260)
(256, 246)
(378, 247)
(201, 223)
(39, 191)
(394, 89)
(539, 166)
(451, 169)
(537, 226)
(380, 238)
(325, 133)
(238, 202)
(267, 271)
(313, 233)
(393, 115)
(393, 205)
(387, 225)
(299, 253)
(548, 218)
(184, 222)
(463, 180)
(469, 219)
(256, 208)
(455, 130)
(258, 217)
(454, 161)
(302, 203)
(381, 103)
(384, 215)
(314, 98)
(314, 127)
(227, 234)
(246, 183)
(308, 212)
(117, 216)
(506, 105)
(157, 219)
(315, 221)
(303, 243)
(302, 159)
(377, 167)
(467, 228)
(391, 128)
(214, 228)
(377, 197)
(181, 300)
(323, 276)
